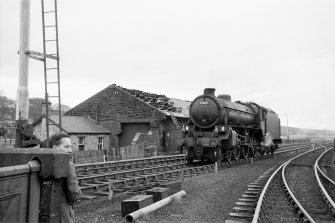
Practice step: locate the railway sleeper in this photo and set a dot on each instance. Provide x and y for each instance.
(250, 196)
(248, 200)
(244, 208)
(244, 215)
(243, 203)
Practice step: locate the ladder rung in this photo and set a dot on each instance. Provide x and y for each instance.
(52, 68)
(53, 96)
(49, 11)
(50, 26)
(50, 40)
(36, 58)
(53, 82)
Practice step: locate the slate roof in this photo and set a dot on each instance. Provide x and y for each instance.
(178, 107)
(79, 124)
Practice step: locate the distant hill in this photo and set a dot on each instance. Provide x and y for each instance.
(299, 133)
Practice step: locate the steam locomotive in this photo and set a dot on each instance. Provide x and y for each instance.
(220, 129)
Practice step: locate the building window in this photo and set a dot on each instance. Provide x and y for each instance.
(100, 143)
(81, 144)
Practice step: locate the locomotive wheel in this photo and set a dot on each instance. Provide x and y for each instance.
(244, 152)
(262, 152)
(275, 147)
(268, 150)
(253, 151)
(272, 149)
(188, 158)
(229, 155)
(236, 153)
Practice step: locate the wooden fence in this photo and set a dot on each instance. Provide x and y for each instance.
(133, 151)
(88, 156)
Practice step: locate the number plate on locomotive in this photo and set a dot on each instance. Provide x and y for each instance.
(204, 103)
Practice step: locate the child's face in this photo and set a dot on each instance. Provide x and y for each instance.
(65, 145)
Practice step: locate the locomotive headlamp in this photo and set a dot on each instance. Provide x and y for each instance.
(185, 128)
(222, 128)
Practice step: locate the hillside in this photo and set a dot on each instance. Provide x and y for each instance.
(298, 133)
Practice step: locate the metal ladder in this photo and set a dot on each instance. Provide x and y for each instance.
(50, 57)
(175, 121)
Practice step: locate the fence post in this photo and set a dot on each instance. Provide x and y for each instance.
(110, 189)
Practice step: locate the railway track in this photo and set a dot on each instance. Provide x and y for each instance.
(290, 194)
(136, 179)
(141, 174)
(326, 184)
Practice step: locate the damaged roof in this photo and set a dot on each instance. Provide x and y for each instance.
(177, 107)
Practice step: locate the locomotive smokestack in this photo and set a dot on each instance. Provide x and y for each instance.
(209, 91)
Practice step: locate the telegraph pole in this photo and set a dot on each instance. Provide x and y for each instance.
(288, 136)
(22, 99)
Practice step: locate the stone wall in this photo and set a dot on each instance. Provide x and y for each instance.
(113, 106)
(91, 140)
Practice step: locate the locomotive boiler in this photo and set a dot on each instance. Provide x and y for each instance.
(221, 129)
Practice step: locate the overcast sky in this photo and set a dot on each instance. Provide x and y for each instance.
(279, 54)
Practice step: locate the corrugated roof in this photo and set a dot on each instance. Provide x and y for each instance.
(178, 107)
(80, 124)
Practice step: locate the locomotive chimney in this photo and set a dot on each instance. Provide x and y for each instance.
(209, 91)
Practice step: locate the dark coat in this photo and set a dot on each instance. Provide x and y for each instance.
(71, 193)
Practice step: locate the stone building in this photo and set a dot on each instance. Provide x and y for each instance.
(134, 115)
(85, 134)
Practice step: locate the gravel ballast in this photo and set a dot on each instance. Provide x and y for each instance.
(209, 197)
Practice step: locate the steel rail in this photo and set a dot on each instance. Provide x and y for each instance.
(318, 171)
(128, 172)
(297, 203)
(154, 158)
(284, 150)
(267, 185)
(136, 178)
(85, 166)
